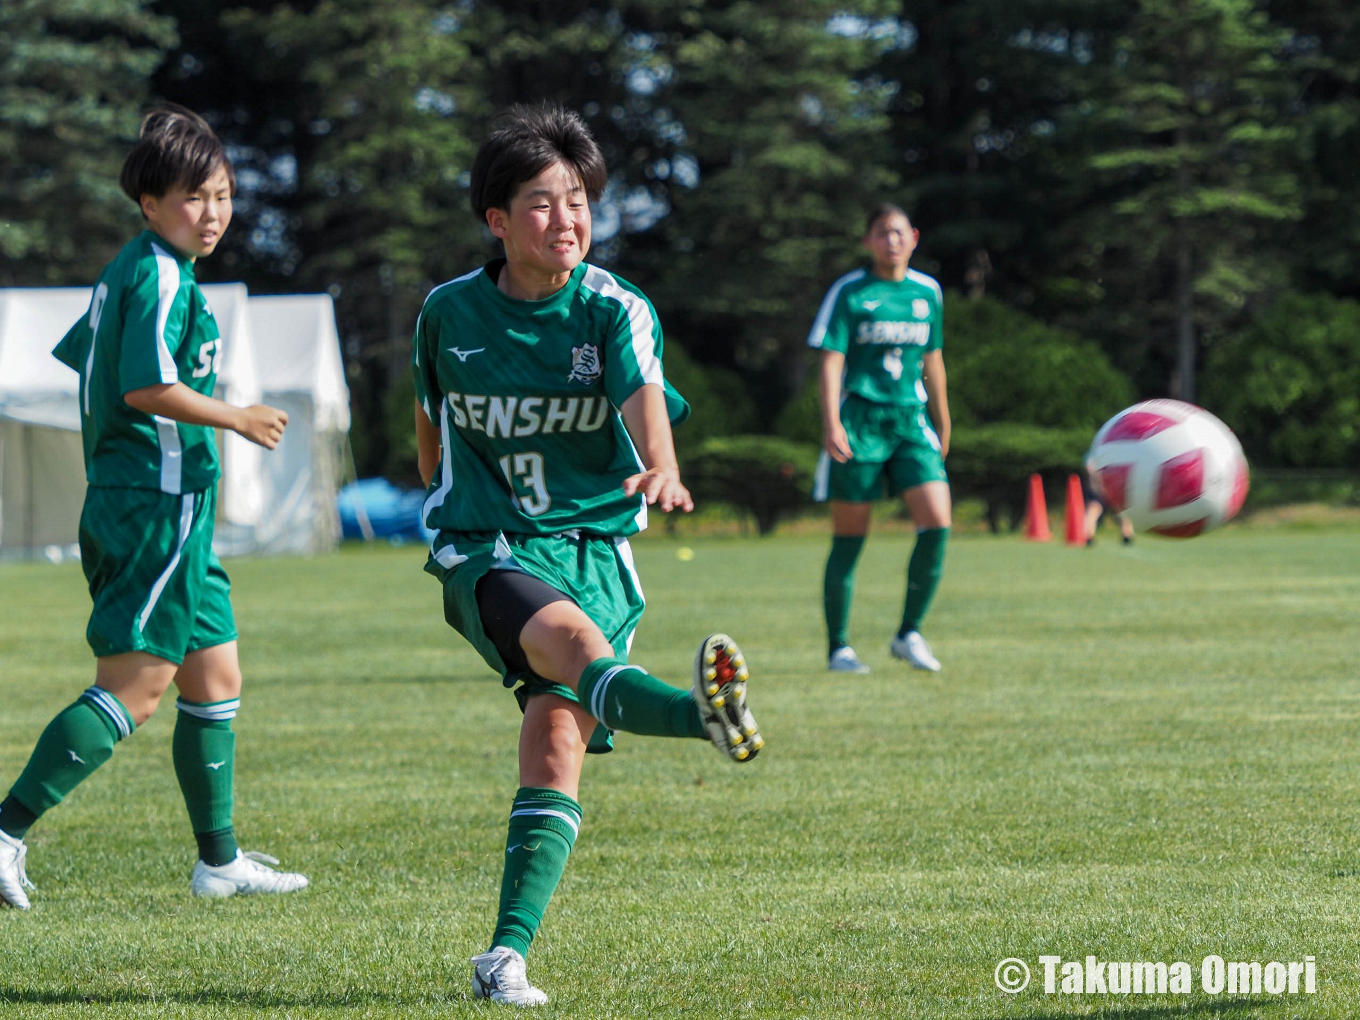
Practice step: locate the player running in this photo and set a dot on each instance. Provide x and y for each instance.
(543, 420)
(147, 353)
(885, 419)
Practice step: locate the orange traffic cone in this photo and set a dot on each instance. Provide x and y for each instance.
(1036, 513)
(1076, 512)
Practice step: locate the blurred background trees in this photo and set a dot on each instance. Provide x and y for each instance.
(1122, 200)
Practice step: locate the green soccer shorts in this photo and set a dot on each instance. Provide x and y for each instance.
(894, 446)
(595, 571)
(157, 585)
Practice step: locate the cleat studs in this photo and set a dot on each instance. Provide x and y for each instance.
(738, 661)
(743, 674)
(718, 701)
(710, 673)
(730, 649)
(711, 657)
(758, 742)
(738, 690)
(711, 690)
(741, 754)
(749, 731)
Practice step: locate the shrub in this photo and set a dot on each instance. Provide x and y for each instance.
(764, 476)
(1289, 384)
(994, 462)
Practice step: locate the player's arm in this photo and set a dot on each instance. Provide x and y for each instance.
(645, 417)
(932, 375)
(259, 423)
(834, 439)
(427, 445)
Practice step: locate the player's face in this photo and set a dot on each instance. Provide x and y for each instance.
(546, 230)
(890, 241)
(192, 221)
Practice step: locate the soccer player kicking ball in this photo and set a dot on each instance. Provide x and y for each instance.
(882, 372)
(544, 426)
(147, 354)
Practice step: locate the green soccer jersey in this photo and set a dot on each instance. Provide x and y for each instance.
(525, 395)
(884, 328)
(148, 324)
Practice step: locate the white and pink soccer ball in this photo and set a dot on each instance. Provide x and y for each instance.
(1171, 467)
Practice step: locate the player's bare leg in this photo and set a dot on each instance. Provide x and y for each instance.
(931, 510)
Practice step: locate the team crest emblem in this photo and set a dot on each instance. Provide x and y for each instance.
(920, 309)
(585, 364)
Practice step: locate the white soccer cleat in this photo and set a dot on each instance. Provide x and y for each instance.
(13, 878)
(913, 648)
(499, 976)
(247, 875)
(720, 677)
(844, 660)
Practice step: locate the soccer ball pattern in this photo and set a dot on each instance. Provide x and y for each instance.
(1171, 467)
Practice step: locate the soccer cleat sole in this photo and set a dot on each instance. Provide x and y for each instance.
(720, 676)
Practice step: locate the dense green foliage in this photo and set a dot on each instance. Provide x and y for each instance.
(1005, 366)
(764, 476)
(992, 462)
(73, 81)
(1290, 383)
(1145, 753)
(1148, 176)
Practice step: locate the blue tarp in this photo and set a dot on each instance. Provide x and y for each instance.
(375, 508)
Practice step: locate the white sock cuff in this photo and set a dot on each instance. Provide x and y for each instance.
(212, 711)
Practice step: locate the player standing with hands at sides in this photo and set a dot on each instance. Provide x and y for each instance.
(882, 373)
(543, 420)
(147, 354)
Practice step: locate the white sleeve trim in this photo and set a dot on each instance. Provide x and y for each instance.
(819, 325)
(927, 281)
(641, 323)
(167, 286)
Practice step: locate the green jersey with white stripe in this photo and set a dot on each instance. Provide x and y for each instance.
(148, 324)
(884, 328)
(525, 395)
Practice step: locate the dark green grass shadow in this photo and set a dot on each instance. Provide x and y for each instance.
(1234, 1010)
(335, 999)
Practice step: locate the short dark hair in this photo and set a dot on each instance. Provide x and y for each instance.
(175, 147)
(527, 141)
(881, 210)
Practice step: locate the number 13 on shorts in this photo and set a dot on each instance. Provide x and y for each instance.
(525, 471)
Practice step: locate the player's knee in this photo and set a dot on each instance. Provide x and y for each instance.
(567, 641)
(144, 706)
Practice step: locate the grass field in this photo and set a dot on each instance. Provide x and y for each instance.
(1143, 754)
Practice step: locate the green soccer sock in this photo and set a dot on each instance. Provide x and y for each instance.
(75, 743)
(543, 828)
(204, 751)
(838, 587)
(628, 698)
(923, 576)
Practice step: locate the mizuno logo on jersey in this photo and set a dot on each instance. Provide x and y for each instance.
(915, 333)
(527, 416)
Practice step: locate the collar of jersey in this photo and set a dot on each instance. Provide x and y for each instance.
(184, 261)
(491, 271)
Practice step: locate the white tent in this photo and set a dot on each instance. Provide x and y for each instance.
(297, 360)
(42, 478)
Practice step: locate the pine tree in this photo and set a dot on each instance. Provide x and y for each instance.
(1192, 143)
(73, 85)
